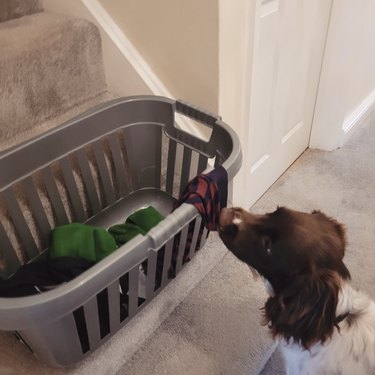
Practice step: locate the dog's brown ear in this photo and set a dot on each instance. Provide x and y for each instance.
(338, 227)
(305, 311)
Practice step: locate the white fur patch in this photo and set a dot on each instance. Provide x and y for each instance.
(237, 221)
(349, 351)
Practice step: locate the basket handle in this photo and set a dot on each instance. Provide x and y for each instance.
(208, 148)
(197, 113)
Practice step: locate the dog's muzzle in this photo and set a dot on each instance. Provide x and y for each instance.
(227, 222)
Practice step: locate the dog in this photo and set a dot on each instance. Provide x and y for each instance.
(324, 326)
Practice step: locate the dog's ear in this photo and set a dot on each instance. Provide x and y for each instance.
(305, 311)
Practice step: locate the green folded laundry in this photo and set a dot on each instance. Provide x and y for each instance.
(145, 218)
(80, 240)
(140, 222)
(122, 233)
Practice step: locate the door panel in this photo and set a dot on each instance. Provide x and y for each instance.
(288, 52)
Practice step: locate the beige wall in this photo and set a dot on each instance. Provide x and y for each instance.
(347, 83)
(178, 39)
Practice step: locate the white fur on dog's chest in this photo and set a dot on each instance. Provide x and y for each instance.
(348, 352)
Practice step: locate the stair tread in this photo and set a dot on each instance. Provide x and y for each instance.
(11, 9)
(49, 64)
(41, 28)
(75, 110)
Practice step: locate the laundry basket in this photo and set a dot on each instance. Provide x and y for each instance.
(97, 169)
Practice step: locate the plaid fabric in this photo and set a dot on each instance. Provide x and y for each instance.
(208, 193)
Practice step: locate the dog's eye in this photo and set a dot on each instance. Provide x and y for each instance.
(267, 243)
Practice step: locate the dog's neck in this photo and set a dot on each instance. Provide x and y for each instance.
(346, 299)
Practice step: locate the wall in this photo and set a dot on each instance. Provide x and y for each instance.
(179, 41)
(347, 85)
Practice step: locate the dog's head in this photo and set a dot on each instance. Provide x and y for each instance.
(301, 256)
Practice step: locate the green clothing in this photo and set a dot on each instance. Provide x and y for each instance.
(140, 222)
(93, 243)
(83, 241)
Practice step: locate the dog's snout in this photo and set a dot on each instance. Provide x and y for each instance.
(228, 222)
(226, 217)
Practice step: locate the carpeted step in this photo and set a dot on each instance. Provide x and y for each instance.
(11, 9)
(48, 65)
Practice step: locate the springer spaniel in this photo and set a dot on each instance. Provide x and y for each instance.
(324, 326)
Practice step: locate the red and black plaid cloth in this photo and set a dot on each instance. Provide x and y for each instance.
(209, 194)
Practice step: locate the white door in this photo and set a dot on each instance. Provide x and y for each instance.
(289, 39)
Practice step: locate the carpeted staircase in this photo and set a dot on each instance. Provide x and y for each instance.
(50, 65)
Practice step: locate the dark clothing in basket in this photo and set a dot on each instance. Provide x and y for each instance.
(44, 275)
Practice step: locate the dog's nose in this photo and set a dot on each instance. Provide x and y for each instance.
(226, 217)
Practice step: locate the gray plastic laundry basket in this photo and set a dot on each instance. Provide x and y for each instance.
(97, 169)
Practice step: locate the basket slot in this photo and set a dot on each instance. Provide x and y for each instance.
(167, 261)
(181, 248)
(81, 327)
(120, 179)
(202, 163)
(157, 157)
(54, 196)
(7, 251)
(172, 151)
(114, 305)
(38, 210)
(92, 322)
(20, 223)
(102, 300)
(133, 291)
(124, 297)
(203, 237)
(197, 227)
(151, 273)
(73, 192)
(143, 144)
(104, 173)
(219, 159)
(88, 180)
(186, 163)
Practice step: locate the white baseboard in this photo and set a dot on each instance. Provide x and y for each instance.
(130, 52)
(355, 118)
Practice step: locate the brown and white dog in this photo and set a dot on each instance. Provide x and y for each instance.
(324, 326)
